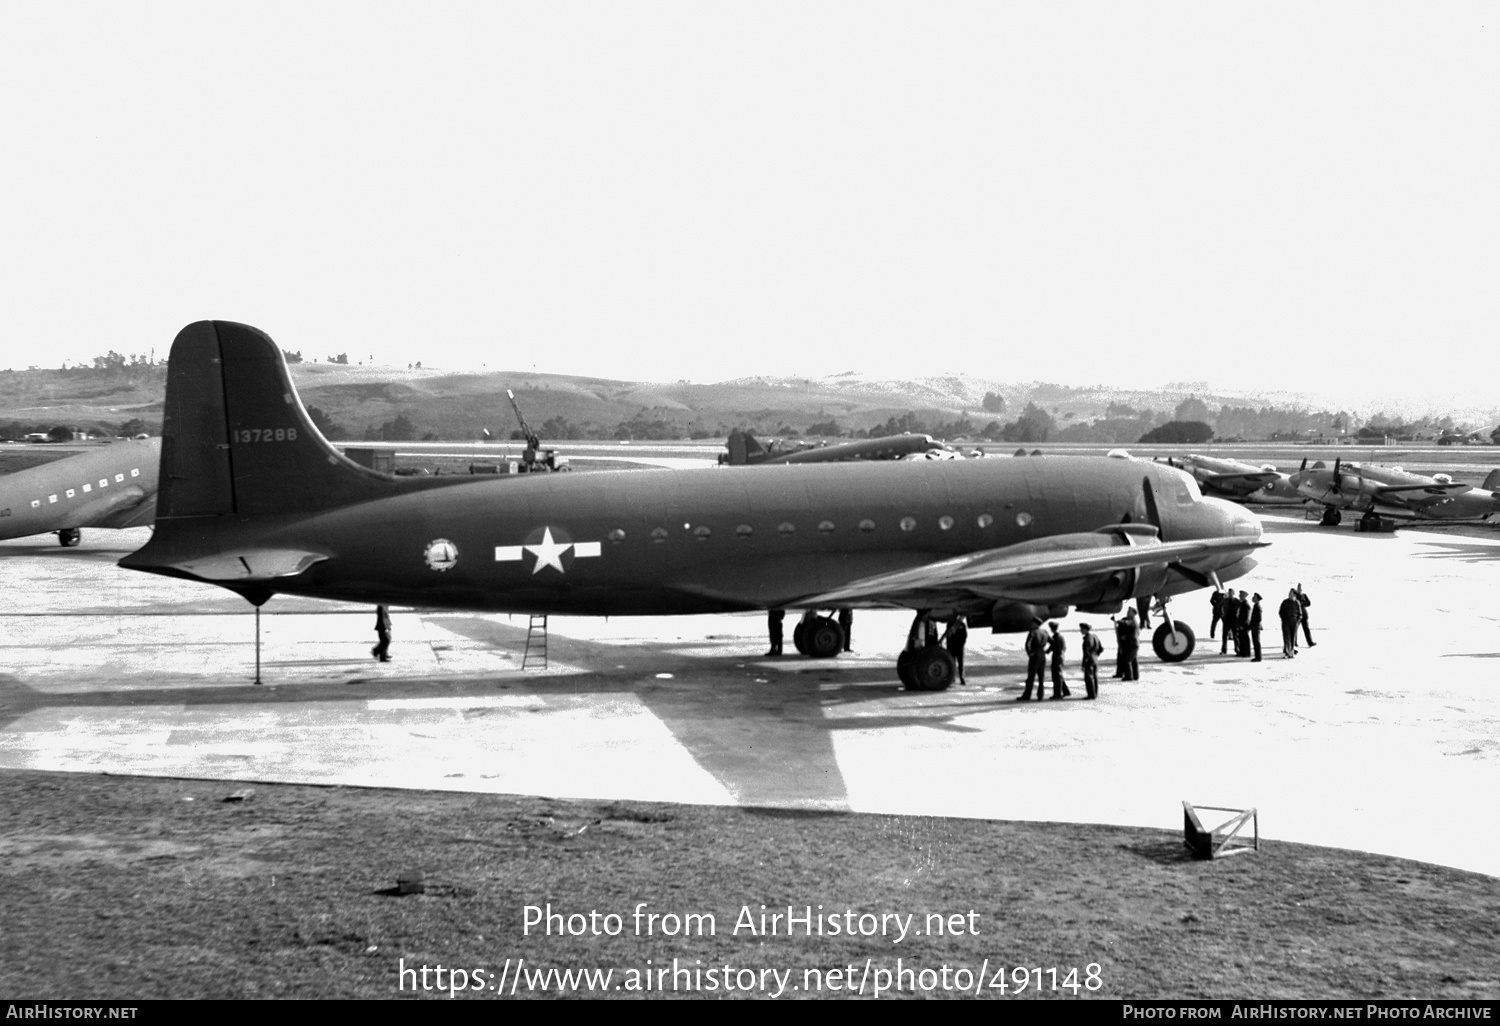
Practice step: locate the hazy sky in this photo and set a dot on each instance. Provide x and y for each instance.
(1304, 195)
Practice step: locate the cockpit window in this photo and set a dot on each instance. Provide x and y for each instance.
(1185, 490)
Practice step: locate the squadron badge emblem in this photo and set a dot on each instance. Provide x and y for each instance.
(441, 555)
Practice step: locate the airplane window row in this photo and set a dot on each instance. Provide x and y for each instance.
(787, 529)
(71, 492)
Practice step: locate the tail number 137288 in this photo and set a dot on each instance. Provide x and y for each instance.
(266, 435)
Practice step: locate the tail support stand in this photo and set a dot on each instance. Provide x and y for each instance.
(257, 644)
(536, 642)
(1223, 840)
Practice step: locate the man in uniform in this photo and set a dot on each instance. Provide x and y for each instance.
(1036, 660)
(1230, 611)
(846, 621)
(1057, 645)
(1216, 600)
(1130, 646)
(382, 647)
(1242, 626)
(1290, 612)
(1255, 627)
(953, 639)
(773, 625)
(1092, 647)
(1303, 601)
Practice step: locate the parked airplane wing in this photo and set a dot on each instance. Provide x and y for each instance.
(1263, 477)
(1008, 573)
(1420, 494)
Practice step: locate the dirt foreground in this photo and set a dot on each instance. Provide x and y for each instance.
(123, 887)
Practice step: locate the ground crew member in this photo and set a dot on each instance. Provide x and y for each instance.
(382, 647)
(1036, 660)
(1255, 627)
(1092, 648)
(1130, 647)
(1143, 607)
(1242, 626)
(954, 639)
(773, 625)
(1216, 600)
(846, 621)
(1057, 645)
(1290, 612)
(1303, 601)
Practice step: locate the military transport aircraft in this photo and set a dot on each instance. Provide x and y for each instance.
(112, 486)
(746, 450)
(1392, 492)
(256, 501)
(1240, 482)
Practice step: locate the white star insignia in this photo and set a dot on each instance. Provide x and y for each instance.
(548, 552)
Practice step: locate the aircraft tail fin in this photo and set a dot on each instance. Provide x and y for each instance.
(744, 448)
(1492, 483)
(236, 438)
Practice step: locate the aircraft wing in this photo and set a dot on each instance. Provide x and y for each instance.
(1419, 495)
(998, 573)
(1257, 478)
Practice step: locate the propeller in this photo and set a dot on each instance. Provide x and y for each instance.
(1338, 476)
(1153, 515)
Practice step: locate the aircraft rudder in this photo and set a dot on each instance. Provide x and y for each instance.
(1492, 482)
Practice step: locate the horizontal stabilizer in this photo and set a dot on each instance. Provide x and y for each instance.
(250, 565)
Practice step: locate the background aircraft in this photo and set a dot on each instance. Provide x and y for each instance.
(112, 486)
(1393, 492)
(1241, 482)
(745, 449)
(256, 501)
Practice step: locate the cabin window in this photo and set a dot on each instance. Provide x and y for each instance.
(88, 488)
(985, 520)
(825, 527)
(702, 532)
(658, 534)
(945, 523)
(52, 498)
(787, 528)
(104, 482)
(616, 536)
(70, 493)
(867, 526)
(908, 523)
(744, 531)
(1023, 518)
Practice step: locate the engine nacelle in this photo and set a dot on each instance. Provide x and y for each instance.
(1015, 617)
(1094, 589)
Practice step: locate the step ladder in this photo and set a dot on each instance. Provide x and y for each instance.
(536, 643)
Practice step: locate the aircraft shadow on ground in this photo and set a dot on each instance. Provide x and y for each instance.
(760, 727)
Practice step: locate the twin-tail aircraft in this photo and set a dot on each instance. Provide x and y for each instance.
(1237, 481)
(1378, 492)
(744, 449)
(113, 486)
(253, 499)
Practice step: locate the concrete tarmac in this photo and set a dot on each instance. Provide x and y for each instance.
(1384, 737)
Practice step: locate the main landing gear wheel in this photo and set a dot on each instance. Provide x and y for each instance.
(903, 669)
(1173, 650)
(69, 536)
(822, 638)
(1331, 516)
(930, 669)
(799, 638)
